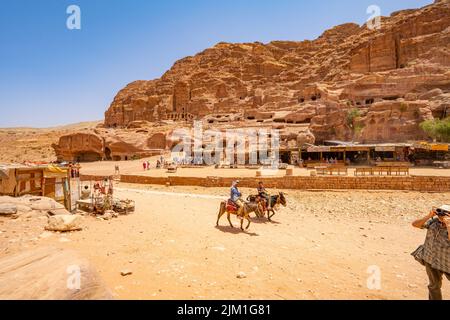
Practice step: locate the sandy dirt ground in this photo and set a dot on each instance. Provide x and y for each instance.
(135, 167)
(319, 247)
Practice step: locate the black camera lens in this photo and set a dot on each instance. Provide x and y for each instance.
(441, 213)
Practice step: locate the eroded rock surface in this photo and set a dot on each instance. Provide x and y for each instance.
(48, 273)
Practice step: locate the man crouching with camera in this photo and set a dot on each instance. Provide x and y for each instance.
(435, 253)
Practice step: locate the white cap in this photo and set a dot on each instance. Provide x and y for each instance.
(445, 208)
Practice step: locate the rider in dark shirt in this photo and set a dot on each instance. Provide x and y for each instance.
(262, 192)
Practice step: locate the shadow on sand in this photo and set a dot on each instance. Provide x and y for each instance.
(263, 221)
(236, 230)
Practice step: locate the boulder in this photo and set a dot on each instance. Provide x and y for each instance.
(108, 215)
(64, 223)
(49, 273)
(58, 212)
(45, 204)
(23, 208)
(431, 94)
(7, 200)
(7, 209)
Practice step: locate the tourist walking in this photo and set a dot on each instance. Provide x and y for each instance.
(144, 164)
(435, 253)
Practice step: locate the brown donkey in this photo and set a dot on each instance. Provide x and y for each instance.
(244, 213)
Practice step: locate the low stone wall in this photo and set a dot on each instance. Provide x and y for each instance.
(85, 177)
(411, 183)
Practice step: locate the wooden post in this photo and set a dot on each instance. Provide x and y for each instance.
(69, 194)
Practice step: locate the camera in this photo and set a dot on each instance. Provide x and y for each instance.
(441, 213)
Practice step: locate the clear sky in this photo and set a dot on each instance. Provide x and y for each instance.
(50, 75)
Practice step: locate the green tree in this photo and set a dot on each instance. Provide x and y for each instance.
(437, 129)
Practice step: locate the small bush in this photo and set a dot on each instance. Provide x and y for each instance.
(437, 129)
(352, 114)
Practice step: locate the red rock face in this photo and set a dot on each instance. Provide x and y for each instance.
(103, 144)
(80, 147)
(348, 66)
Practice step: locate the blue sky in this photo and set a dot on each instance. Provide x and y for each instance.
(50, 75)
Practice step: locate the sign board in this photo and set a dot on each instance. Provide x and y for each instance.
(439, 147)
(432, 147)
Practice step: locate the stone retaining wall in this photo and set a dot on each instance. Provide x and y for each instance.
(85, 177)
(411, 183)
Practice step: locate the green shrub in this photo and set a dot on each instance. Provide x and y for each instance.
(437, 129)
(352, 114)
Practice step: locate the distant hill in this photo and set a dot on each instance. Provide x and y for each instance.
(34, 144)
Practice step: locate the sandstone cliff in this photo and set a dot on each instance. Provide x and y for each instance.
(351, 84)
(311, 81)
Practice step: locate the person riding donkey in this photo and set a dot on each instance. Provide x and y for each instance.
(262, 192)
(236, 197)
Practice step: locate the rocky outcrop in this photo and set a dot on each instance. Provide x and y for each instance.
(64, 223)
(348, 64)
(48, 273)
(81, 146)
(394, 121)
(395, 77)
(7, 209)
(111, 144)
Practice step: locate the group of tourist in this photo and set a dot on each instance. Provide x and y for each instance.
(160, 163)
(236, 195)
(74, 170)
(331, 160)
